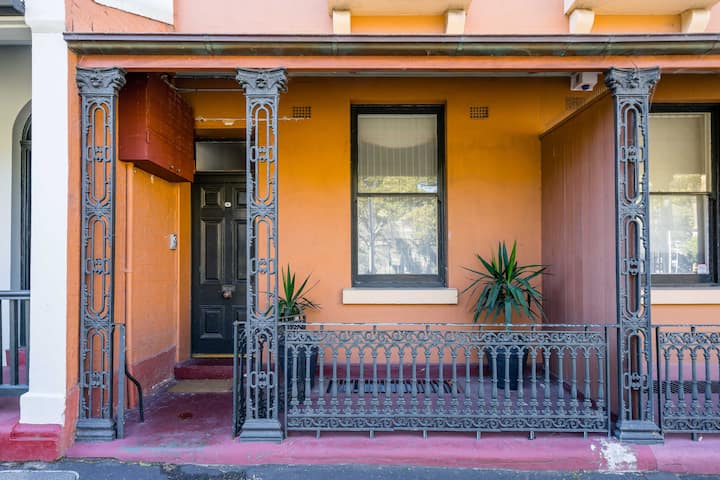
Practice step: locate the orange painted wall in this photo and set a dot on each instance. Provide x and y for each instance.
(493, 176)
(151, 278)
(312, 17)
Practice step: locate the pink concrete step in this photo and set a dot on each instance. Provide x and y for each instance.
(204, 368)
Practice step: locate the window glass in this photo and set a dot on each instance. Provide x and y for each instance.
(397, 203)
(397, 153)
(680, 193)
(220, 156)
(679, 234)
(680, 152)
(397, 235)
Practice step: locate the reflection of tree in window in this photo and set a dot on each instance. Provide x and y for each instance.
(397, 194)
(680, 192)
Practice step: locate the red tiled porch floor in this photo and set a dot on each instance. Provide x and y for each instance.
(196, 428)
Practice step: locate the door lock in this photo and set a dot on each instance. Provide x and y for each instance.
(227, 291)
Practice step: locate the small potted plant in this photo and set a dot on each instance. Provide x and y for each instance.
(292, 304)
(499, 289)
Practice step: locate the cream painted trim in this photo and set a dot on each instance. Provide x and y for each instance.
(685, 296)
(455, 22)
(637, 7)
(695, 20)
(13, 31)
(400, 296)
(581, 21)
(160, 10)
(398, 7)
(342, 21)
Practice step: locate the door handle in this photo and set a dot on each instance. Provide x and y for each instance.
(227, 291)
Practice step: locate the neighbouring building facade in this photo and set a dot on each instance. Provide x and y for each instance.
(186, 152)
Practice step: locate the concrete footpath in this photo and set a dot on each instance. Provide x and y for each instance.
(115, 470)
(551, 452)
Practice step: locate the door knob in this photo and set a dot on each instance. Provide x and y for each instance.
(227, 291)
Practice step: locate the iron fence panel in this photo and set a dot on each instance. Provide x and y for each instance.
(688, 377)
(445, 377)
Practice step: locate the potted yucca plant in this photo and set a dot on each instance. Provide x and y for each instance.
(292, 304)
(503, 288)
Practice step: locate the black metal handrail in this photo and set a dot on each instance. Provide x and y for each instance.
(14, 332)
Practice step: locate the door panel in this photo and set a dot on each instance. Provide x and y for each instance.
(218, 244)
(211, 251)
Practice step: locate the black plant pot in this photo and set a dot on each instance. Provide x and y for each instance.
(509, 354)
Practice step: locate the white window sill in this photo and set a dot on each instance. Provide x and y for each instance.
(400, 296)
(685, 296)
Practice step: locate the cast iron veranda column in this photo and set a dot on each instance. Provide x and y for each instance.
(631, 89)
(98, 96)
(262, 91)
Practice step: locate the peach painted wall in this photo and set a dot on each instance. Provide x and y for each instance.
(493, 176)
(151, 278)
(312, 17)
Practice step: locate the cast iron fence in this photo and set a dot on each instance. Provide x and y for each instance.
(445, 377)
(14, 328)
(239, 376)
(688, 378)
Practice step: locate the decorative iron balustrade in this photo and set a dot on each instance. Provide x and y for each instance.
(14, 345)
(445, 377)
(240, 376)
(688, 378)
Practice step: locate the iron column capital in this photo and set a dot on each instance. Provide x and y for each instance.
(632, 81)
(254, 81)
(100, 81)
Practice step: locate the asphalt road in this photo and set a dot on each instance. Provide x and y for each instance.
(114, 470)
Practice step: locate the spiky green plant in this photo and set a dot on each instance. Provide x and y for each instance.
(504, 287)
(293, 300)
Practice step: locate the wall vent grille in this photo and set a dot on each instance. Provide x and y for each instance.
(573, 103)
(478, 112)
(303, 112)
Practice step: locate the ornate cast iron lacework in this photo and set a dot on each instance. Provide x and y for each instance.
(451, 377)
(631, 90)
(689, 378)
(262, 91)
(98, 92)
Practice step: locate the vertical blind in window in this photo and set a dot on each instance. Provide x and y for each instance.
(680, 192)
(397, 194)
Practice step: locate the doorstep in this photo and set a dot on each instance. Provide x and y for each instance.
(21, 442)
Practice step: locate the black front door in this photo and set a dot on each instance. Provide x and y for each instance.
(219, 259)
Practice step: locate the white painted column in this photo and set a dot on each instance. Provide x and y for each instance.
(45, 402)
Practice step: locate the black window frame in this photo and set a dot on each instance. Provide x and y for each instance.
(400, 280)
(710, 278)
